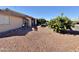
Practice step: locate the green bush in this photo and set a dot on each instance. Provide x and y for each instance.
(41, 21)
(60, 24)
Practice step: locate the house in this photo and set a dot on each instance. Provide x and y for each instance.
(10, 19)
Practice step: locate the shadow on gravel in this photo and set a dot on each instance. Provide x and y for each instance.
(71, 32)
(15, 32)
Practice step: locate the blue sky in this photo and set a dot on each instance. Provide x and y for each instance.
(47, 12)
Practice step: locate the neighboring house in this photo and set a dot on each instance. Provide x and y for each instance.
(76, 24)
(10, 19)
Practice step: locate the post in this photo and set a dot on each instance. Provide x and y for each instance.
(35, 21)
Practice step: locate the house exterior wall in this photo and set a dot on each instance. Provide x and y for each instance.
(30, 21)
(33, 22)
(14, 22)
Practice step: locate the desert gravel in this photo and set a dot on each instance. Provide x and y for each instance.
(43, 40)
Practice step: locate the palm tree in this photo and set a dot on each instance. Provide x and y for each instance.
(62, 14)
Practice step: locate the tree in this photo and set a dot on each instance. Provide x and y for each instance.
(62, 14)
(41, 21)
(60, 24)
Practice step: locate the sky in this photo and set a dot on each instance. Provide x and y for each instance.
(47, 12)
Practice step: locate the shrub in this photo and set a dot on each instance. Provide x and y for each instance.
(41, 21)
(60, 24)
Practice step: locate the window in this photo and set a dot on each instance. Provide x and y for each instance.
(4, 19)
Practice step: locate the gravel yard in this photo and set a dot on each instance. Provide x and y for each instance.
(43, 40)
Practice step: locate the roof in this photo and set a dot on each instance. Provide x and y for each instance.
(11, 12)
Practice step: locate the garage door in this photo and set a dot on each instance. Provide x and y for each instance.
(4, 19)
(16, 22)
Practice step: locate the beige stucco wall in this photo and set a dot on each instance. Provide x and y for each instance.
(30, 22)
(14, 22)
